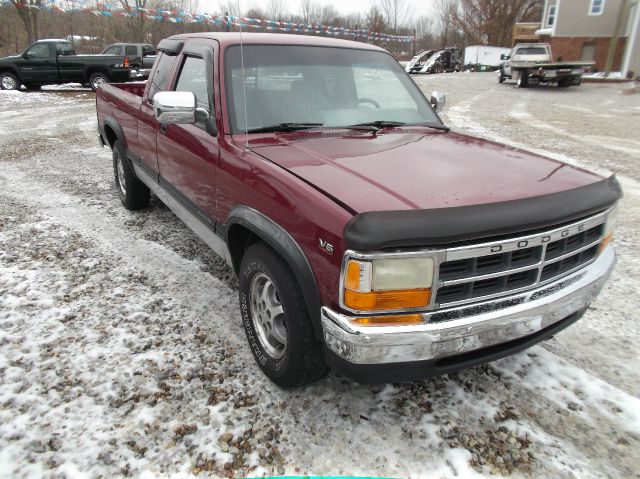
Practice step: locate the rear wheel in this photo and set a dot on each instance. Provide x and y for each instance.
(523, 79)
(8, 81)
(501, 77)
(276, 320)
(97, 79)
(134, 194)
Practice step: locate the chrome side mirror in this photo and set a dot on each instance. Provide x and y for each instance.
(438, 100)
(174, 107)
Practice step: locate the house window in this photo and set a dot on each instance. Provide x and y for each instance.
(597, 7)
(551, 16)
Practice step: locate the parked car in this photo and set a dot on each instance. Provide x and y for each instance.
(532, 63)
(416, 64)
(54, 62)
(141, 57)
(366, 236)
(444, 61)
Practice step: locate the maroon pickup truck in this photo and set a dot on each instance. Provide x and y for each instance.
(367, 237)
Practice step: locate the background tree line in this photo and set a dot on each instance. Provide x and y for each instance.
(451, 22)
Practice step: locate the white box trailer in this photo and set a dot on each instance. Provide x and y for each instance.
(484, 55)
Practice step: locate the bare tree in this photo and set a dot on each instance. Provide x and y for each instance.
(329, 15)
(395, 12)
(376, 22)
(28, 11)
(490, 22)
(276, 9)
(232, 7)
(445, 18)
(423, 27)
(310, 11)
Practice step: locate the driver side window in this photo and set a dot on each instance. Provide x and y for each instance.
(39, 50)
(193, 78)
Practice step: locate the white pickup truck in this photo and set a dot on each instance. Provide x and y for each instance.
(532, 63)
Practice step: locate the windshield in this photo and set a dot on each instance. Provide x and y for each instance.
(532, 51)
(332, 87)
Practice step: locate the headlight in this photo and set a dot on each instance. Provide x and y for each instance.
(609, 227)
(387, 284)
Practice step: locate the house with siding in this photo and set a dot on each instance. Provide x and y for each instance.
(585, 29)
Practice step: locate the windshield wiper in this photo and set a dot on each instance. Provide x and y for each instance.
(284, 127)
(377, 124)
(435, 127)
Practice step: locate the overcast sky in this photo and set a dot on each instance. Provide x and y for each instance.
(417, 7)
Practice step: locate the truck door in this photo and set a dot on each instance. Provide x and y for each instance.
(70, 68)
(507, 64)
(148, 126)
(37, 65)
(188, 154)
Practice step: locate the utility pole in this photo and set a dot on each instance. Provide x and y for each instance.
(623, 13)
(414, 43)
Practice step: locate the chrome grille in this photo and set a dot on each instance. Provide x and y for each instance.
(489, 270)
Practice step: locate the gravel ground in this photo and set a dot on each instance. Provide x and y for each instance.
(122, 352)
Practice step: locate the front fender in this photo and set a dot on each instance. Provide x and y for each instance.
(284, 244)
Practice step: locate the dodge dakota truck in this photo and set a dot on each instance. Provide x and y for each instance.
(54, 62)
(532, 64)
(367, 237)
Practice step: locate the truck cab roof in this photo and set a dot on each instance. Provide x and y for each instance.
(235, 38)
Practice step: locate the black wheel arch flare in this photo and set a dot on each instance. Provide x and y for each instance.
(283, 243)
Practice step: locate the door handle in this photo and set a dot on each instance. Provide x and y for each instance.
(163, 129)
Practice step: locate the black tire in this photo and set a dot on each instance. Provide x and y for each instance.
(301, 361)
(96, 79)
(523, 79)
(564, 83)
(9, 81)
(31, 86)
(133, 193)
(501, 77)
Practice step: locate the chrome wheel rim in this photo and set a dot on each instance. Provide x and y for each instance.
(97, 81)
(120, 173)
(9, 83)
(267, 315)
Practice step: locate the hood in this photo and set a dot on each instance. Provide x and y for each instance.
(9, 58)
(416, 168)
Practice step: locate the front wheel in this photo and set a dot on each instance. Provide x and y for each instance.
(8, 81)
(97, 79)
(276, 320)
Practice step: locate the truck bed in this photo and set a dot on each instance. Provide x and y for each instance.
(550, 65)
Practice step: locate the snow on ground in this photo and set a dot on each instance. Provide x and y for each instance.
(122, 353)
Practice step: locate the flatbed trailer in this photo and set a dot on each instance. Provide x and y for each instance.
(531, 64)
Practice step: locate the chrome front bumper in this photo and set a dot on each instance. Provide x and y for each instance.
(453, 331)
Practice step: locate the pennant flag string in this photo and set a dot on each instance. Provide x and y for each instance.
(177, 16)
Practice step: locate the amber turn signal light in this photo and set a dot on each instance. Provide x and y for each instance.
(606, 242)
(402, 320)
(382, 300)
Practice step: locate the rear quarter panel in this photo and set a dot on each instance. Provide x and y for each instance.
(121, 102)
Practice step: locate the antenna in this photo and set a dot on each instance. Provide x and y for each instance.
(244, 92)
